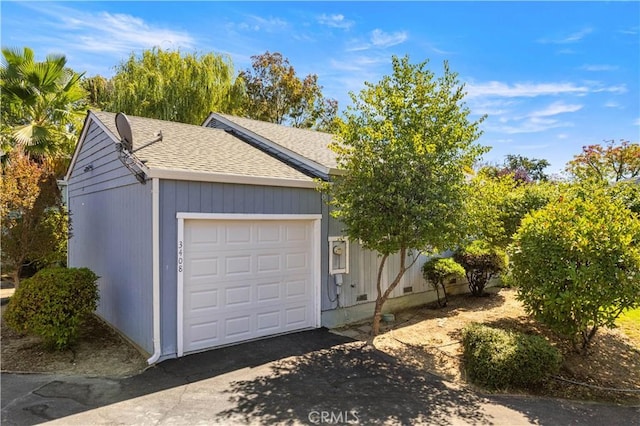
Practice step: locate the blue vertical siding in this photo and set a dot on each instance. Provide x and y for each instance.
(111, 235)
(206, 197)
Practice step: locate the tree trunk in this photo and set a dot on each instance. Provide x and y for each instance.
(383, 296)
(16, 277)
(377, 312)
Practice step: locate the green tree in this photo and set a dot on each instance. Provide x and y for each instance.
(610, 162)
(172, 86)
(276, 94)
(99, 91)
(521, 169)
(42, 106)
(34, 222)
(577, 262)
(497, 204)
(404, 146)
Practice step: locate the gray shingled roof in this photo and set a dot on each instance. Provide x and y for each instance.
(310, 144)
(187, 147)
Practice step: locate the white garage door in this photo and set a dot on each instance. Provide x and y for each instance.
(245, 279)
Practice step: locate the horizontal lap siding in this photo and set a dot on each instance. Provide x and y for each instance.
(111, 235)
(207, 197)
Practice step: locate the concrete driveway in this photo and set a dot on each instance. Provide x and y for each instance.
(313, 377)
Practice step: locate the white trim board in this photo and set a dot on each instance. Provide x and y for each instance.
(229, 178)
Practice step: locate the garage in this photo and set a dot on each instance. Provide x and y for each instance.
(243, 277)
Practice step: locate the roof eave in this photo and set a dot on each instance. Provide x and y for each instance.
(171, 174)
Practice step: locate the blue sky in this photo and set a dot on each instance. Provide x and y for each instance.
(551, 76)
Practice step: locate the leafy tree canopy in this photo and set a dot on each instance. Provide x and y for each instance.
(276, 94)
(42, 105)
(577, 261)
(521, 169)
(610, 162)
(497, 204)
(34, 222)
(170, 85)
(404, 146)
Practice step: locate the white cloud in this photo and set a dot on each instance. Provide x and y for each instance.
(630, 31)
(612, 104)
(528, 90)
(491, 107)
(599, 67)
(335, 21)
(381, 39)
(270, 25)
(101, 32)
(555, 109)
(562, 136)
(530, 125)
(636, 122)
(569, 38)
(531, 90)
(619, 89)
(378, 39)
(358, 63)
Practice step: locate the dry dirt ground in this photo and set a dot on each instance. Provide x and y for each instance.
(99, 352)
(429, 339)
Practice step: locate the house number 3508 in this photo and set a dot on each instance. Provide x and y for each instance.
(180, 257)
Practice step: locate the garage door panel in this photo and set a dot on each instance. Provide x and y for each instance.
(235, 265)
(268, 322)
(202, 234)
(203, 267)
(237, 233)
(296, 289)
(202, 335)
(295, 316)
(267, 292)
(269, 233)
(238, 327)
(297, 232)
(251, 279)
(203, 299)
(237, 296)
(269, 262)
(296, 261)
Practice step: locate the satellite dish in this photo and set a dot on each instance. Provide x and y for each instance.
(124, 129)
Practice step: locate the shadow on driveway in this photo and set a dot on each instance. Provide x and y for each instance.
(309, 377)
(350, 383)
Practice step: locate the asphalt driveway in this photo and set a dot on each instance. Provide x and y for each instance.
(313, 377)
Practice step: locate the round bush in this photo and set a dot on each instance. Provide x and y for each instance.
(437, 269)
(53, 304)
(481, 261)
(500, 359)
(577, 262)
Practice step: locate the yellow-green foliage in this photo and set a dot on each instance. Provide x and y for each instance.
(499, 359)
(53, 304)
(577, 262)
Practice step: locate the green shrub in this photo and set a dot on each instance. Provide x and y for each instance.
(481, 262)
(53, 304)
(437, 269)
(500, 359)
(577, 262)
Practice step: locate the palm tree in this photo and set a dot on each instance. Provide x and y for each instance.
(42, 105)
